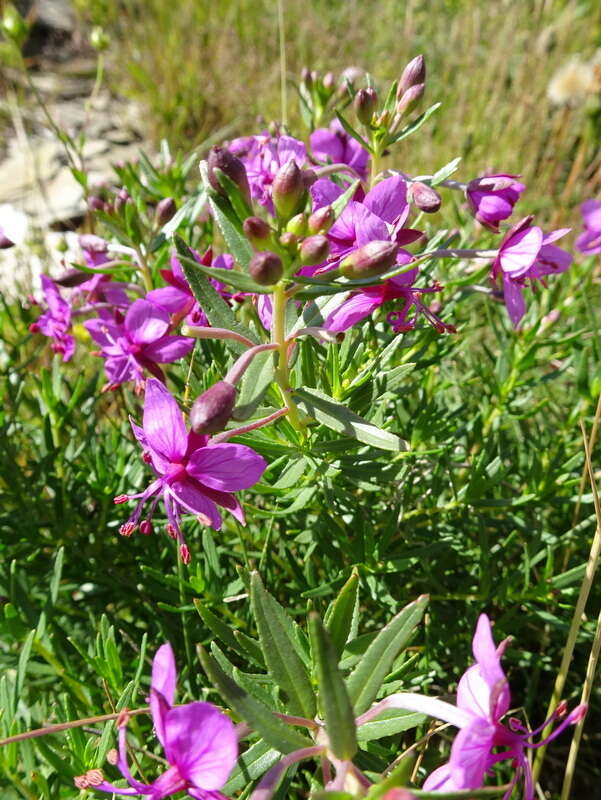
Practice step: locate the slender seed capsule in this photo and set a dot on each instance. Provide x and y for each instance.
(257, 231)
(288, 190)
(265, 268)
(213, 408)
(221, 158)
(365, 103)
(314, 250)
(424, 197)
(370, 260)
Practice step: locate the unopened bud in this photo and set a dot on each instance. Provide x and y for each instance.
(165, 210)
(424, 197)
(314, 250)
(71, 278)
(256, 230)
(365, 103)
(5, 242)
(122, 198)
(266, 268)
(329, 81)
(306, 77)
(212, 410)
(96, 203)
(372, 259)
(289, 241)
(288, 190)
(384, 118)
(309, 177)
(413, 74)
(321, 220)
(410, 98)
(298, 224)
(351, 76)
(99, 39)
(231, 166)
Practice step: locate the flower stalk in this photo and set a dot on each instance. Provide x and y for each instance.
(278, 337)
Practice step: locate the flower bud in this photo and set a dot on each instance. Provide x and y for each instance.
(289, 241)
(329, 81)
(122, 198)
(71, 278)
(99, 39)
(314, 250)
(321, 220)
(5, 242)
(96, 203)
(365, 103)
(372, 259)
(266, 268)
(424, 197)
(165, 210)
(306, 77)
(288, 190)
(410, 98)
(298, 225)
(211, 411)
(231, 166)
(351, 76)
(413, 74)
(14, 26)
(257, 231)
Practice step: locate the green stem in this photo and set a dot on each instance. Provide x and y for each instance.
(278, 337)
(145, 270)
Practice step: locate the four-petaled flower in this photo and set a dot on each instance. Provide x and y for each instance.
(55, 322)
(334, 145)
(492, 198)
(139, 342)
(527, 254)
(193, 475)
(200, 742)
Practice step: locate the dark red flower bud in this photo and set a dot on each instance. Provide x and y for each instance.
(231, 166)
(5, 242)
(321, 220)
(266, 268)
(288, 190)
(413, 74)
(122, 198)
(314, 250)
(165, 210)
(372, 259)
(213, 408)
(424, 197)
(257, 231)
(365, 103)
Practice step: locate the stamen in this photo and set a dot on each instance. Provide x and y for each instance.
(121, 498)
(127, 528)
(185, 554)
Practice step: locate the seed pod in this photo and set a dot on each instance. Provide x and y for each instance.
(257, 231)
(213, 408)
(413, 74)
(424, 197)
(314, 250)
(321, 220)
(372, 259)
(365, 103)
(265, 268)
(288, 190)
(165, 210)
(231, 166)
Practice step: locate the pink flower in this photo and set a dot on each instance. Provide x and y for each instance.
(178, 298)
(192, 475)
(492, 198)
(140, 342)
(527, 254)
(334, 145)
(200, 742)
(589, 242)
(55, 322)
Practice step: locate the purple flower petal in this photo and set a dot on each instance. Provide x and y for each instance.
(169, 349)
(470, 754)
(514, 300)
(145, 322)
(519, 252)
(388, 199)
(350, 312)
(226, 467)
(191, 497)
(171, 299)
(164, 423)
(162, 695)
(202, 742)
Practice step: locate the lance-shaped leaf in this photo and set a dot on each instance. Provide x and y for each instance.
(275, 732)
(352, 132)
(253, 385)
(232, 277)
(212, 303)
(280, 651)
(341, 613)
(365, 680)
(340, 203)
(334, 700)
(389, 723)
(219, 628)
(341, 419)
(414, 126)
(251, 765)
(237, 200)
(228, 222)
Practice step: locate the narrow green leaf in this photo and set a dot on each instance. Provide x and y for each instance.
(366, 679)
(391, 101)
(283, 662)
(217, 310)
(253, 763)
(340, 203)
(217, 627)
(253, 385)
(341, 612)
(251, 647)
(414, 126)
(22, 666)
(235, 196)
(341, 419)
(275, 732)
(188, 212)
(228, 222)
(334, 699)
(56, 575)
(389, 723)
(352, 132)
(232, 277)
